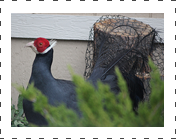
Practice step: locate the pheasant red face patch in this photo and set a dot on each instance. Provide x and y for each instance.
(41, 44)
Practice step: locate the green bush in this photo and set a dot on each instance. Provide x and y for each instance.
(17, 116)
(100, 107)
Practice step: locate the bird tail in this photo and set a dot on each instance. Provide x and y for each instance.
(129, 61)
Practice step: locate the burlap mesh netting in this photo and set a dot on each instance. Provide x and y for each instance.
(126, 43)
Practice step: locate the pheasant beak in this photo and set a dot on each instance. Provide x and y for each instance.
(31, 45)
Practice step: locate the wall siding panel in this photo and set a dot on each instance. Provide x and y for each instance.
(63, 27)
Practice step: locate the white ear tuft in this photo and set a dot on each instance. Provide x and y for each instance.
(52, 44)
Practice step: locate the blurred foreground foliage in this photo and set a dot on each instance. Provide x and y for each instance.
(17, 115)
(100, 107)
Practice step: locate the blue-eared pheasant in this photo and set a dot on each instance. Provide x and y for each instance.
(62, 91)
(57, 91)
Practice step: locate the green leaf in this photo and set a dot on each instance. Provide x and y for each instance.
(12, 112)
(15, 123)
(20, 105)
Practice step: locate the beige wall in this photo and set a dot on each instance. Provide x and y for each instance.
(65, 52)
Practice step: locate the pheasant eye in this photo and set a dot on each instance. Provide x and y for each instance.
(40, 44)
